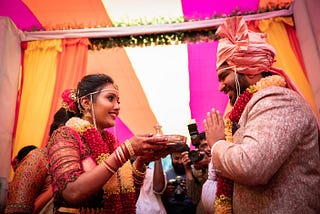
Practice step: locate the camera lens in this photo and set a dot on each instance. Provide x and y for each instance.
(193, 131)
(195, 156)
(179, 193)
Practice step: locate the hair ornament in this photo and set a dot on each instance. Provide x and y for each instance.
(69, 99)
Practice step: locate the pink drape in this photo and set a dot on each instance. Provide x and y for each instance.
(204, 93)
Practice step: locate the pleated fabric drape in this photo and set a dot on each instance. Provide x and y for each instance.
(39, 69)
(49, 67)
(286, 59)
(71, 67)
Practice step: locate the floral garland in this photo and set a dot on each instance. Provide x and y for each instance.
(223, 202)
(120, 186)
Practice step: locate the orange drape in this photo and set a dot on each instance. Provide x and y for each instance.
(273, 3)
(115, 62)
(71, 66)
(56, 14)
(286, 58)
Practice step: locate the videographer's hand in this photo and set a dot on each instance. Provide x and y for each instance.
(186, 160)
(214, 127)
(202, 164)
(187, 164)
(183, 185)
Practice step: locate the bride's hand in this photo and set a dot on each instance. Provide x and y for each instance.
(148, 145)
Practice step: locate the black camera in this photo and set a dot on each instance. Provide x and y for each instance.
(193, 132)
(195, 155)
(179, 192)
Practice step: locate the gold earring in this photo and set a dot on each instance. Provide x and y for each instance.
(80, 108)
(87, 113)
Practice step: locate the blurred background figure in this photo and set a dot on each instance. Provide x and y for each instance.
(21, 154)
(153, 187)
(196, 166)
(175, 198)
(30, 189)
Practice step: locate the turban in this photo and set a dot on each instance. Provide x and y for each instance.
(249, 52)
(245, 49)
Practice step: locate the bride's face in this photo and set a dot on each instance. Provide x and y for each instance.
(106, 107)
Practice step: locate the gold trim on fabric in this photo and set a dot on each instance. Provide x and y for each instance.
(69, 210)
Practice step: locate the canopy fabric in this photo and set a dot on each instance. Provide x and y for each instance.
(168, 85)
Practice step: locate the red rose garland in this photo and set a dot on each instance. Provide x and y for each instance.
(98, 146)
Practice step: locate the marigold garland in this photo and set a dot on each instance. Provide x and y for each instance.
(101, 145)
(223, 202)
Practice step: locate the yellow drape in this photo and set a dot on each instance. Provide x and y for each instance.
(39, 73)
(285, 57)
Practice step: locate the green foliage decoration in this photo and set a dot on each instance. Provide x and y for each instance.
(170, 38)
(173, 38)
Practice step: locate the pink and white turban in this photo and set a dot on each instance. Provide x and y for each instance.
(248, 51)
(240, 47)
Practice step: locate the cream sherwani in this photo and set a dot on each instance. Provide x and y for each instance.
(274, 160)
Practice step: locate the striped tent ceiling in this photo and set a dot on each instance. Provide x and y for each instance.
(71, 14)
(178, 81)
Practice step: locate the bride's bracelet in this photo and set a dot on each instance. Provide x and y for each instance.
(138, 173)
(119, 157)
(107, 166)
(129, 147)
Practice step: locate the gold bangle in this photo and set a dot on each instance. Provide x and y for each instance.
(139, 182)
(137, 172)
(104, 163)
(119, 160)
(121, 154)
(125, 151)
(129, 147)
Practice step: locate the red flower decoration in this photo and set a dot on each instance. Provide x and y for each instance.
(69, 100)
(239, 106)
(100, 143)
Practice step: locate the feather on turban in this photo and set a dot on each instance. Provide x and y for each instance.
(240, 47)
